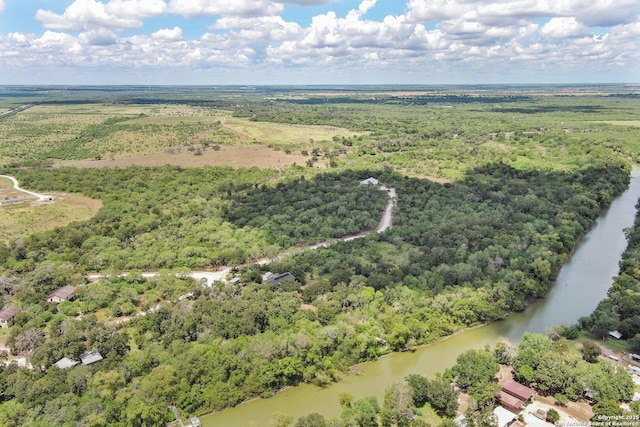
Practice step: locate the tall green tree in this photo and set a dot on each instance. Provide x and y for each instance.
(397, 410)
(590, 351)
(475, 367)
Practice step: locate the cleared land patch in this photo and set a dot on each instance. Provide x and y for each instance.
(635, 123)
(259, 156)
(24, 218)
(273, 133)
(111, 131)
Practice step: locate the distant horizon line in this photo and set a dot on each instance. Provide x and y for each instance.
(248, 85)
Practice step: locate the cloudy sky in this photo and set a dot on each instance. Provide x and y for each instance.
(319, 41)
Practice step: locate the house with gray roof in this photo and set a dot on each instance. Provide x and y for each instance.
(369, 181)
(65, 293)
(90, 357)
(6, 316)
(277, 279)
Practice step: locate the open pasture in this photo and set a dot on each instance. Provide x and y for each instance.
(259, 156)
(634, 123)
(46, 133)
(23, 219)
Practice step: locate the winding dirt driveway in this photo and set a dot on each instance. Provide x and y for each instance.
(220, 275)
(16, 186)
(209, 277)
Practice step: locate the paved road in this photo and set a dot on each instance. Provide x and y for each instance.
(40, 197)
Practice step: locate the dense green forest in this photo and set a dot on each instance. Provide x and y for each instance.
(510, 204)
(449, 262)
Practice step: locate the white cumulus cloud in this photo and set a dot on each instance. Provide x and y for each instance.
(562, 28)
(260, 29)
(196, 8)
(518, 37)
(98, 37)
(87, 14)
(170, 35)
(306, 2)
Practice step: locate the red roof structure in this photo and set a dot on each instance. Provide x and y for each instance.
(517, 390)
(510, 402)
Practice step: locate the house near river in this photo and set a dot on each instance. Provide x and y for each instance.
(514, 396)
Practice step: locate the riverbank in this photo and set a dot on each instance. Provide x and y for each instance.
(354, 371)
(582, 282)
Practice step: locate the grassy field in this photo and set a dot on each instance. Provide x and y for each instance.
(112, 131)
(253, 156)
(635, 123)
(22, 219)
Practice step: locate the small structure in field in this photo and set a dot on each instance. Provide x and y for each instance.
(65, 363)
(90, 357)
(65, 293)
(6, 316)
(540, 414)
(13, 200)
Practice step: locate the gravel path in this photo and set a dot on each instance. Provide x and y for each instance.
(16, 186)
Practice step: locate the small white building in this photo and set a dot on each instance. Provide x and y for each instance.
(369, 181)
(504, 416)
(633, 370)
(66, 363)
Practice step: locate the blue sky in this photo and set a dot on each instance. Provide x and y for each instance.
(319, 41)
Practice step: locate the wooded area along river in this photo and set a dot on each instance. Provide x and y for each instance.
(581, 284)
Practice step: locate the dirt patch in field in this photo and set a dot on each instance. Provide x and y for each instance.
(22, 219)
(580, 411)
(254, 156)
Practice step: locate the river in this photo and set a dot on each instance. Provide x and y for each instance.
(581, 284)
